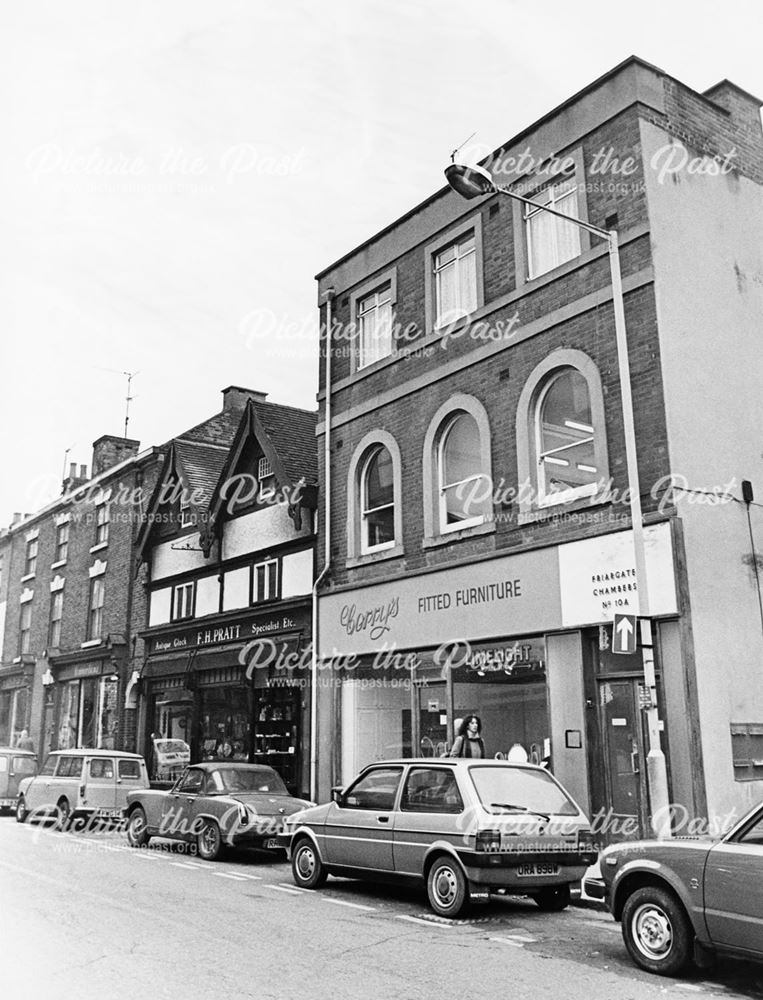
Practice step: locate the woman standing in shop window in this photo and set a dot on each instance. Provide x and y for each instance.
(469, 743)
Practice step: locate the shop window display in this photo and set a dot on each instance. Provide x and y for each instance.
(225, 731)
(277, 731)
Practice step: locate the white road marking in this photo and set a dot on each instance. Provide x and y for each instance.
(344, 902)
(287, 885)
(198, 864)
(524, 938)
(688, 986)
(426, 923)
(236, 878)
(179, 864)
(284, 888)
(603, 925)
(254, 878)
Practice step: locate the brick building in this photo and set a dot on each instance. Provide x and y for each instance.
(227, 557)
(478, 470)
(67, 586)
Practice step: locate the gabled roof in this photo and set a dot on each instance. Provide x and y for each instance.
(199, 466)
(287, 438)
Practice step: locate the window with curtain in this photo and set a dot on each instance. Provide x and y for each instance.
(464, 486)
(375, 326)
(455, 271)
(56, 614)
(566, 439)
(550, 240)
(95, 613)
(377, 501)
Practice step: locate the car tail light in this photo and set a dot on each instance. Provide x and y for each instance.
(488, 840)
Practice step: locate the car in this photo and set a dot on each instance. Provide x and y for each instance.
(464, 827)
(76, 786)
(15, 765)
(687, 899)
(213, 805)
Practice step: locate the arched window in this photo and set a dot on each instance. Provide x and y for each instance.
(463, 485)
(377, 501)
(565, 439)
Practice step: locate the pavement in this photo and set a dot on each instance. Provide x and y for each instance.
(86, 916)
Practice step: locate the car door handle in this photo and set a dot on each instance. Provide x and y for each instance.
(382, 819)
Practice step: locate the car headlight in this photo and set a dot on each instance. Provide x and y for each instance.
(587, 841)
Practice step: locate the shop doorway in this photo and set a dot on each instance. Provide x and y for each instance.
(621, 725)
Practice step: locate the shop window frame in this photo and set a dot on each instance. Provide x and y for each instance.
(747, 750)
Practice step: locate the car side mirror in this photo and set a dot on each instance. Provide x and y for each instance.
(337, 795)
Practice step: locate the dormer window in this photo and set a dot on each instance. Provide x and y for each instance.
(186, 515)
(265, 477)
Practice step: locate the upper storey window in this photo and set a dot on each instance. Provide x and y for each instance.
(377, 498)
(567, 464)
(455, 270)
(374, 320)
(550, 240)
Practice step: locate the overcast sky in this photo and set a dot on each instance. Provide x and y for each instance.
(177, 171)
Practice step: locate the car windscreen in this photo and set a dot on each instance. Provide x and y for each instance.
(515, 790)
(24, 765)
(171, 746)
(254, 779)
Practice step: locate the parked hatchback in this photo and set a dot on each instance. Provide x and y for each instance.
(465, 828)
(15, 765)
(687, 899)
(81, 784)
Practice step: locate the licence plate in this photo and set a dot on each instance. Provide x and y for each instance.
(539, 869)
(271, 843)
(109, 813)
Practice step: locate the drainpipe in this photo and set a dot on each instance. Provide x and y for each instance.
(329, 295)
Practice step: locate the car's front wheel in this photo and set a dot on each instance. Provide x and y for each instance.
(656, 931)
(137, 828)
(21, 810)
(62, 817)
(209, 842)
(447, 888)
(553, 898)
(307, 868)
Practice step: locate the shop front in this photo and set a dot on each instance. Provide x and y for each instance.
(15, 704)
(522, 641)
(221, 691)
(81, 706)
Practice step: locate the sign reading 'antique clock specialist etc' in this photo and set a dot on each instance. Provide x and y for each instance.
(237, 631)
(573, 585)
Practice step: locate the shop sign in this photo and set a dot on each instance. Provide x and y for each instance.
(509, 595)
(507, 659)
(597, 576)
(215, 635)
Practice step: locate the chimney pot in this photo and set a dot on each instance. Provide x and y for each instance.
(73, 470)
(83, 472)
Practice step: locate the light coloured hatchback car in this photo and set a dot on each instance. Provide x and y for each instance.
(81, 784)
(15, 765)
(464, 827)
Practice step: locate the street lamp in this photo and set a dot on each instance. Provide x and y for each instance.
(473, 182)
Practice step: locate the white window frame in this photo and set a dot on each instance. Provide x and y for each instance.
(548, 499)
(31, 555)
(183, 601)
(54, 623)
(186, 516)
(364, 510)
(102, 521)
(456, 265)
(442, 486)
(25, 628)
(363, 293)
(272, 574)
(62, 529)
(369, 350)
(95, 612)
(266, 479)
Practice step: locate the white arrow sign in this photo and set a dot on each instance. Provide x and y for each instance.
(625, 634)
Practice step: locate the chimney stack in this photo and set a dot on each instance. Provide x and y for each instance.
(110, 450)
(235, 397)
(73, 481)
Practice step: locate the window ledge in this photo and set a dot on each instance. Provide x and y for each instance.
(98, 547)
(373, 557)
(58, 565)
(90, 642)
(436, 541)
(29, 576)
(16, 659)
(539, 514)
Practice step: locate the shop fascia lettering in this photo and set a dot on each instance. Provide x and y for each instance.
(223, 633)
(463, 597)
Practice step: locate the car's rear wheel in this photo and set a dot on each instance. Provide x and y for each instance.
(21, 810)
(656, 931)
(209, 842)
(447, 888)
(137, 828)
(553, 898)
(63, 815)
(307, 868)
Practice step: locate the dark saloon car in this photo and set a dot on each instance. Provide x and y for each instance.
(687, 899)
(213, 805)
(463, 827)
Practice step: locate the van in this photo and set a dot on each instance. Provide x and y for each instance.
(81, 784)
(15, 765)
